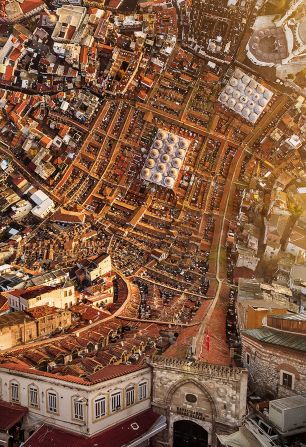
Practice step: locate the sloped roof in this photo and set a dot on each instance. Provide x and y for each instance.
(118, 435)
(10, 414)
(277, 337)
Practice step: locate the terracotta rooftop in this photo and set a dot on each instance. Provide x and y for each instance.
(118, 435)
(10, 414)
(42, 311)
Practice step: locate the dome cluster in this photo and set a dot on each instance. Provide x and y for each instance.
(245, 96)
(165, 159)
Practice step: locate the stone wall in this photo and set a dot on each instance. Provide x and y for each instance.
(212, 396)
(267, 361)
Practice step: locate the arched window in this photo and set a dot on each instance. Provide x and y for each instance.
(99, 407)
(116, 401)
(14, 391)
(52, 402)
(130, 395)
(33, 396)
(90, 347)
(79, 405)
(142, 391)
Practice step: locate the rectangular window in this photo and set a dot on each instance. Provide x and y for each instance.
(52, 402)
(100, 407)
(248, 358)
(130, 396)
(33, 397)
(14, 392)
(79, 406)
(116, 401)
(142, 391)
(287, 380)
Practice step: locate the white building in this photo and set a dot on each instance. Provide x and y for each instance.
(245, 96)
(246, 258)
(44, 205)
(61, 297)
(165, 159)
(21, 209)
(113, 394)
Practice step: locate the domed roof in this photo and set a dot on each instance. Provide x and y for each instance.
(253, 83)
(172, 138)
(157, 177)
(257, 110)
(146, 173)
(238, 73)
(223, 97)
(255, 96)
(250, 104)
(236, 94)
(248, 91)
(238, 107)
(231, 102)
(161, 167)
(169, 182)
(253, 117)
(233, 82)
(158, 144)
(165, 158)
(180, 153)
(228, 89)
(243, 99)
(162, 134)
(183, 143)
(177, 162)
(241, 86)
(173, 172)
(154, 153)
(150, 163)
(169, 148)
(246, 79)
(267, 94)
(245, 112)
(260, 88)
(262, 102)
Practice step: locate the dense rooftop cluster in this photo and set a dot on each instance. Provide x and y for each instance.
(152, 215)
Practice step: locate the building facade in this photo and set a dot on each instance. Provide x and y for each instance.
(276, 361)
(75, 405)
(197, 399)
(23, 299)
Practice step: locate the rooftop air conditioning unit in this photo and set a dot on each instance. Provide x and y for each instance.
(289, 413)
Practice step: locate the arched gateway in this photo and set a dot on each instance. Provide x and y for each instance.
(199, 401)
(189, 434)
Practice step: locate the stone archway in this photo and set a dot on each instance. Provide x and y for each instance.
(187, 433)
(188, 383)
(200, 410)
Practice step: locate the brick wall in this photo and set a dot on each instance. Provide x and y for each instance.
(266, 361)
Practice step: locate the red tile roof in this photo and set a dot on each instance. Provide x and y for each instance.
(3, 304)
(10, 414)
(118, 435)
(41, 311)
(113, 371)
(107, 373)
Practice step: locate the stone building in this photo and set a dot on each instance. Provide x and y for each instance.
(21, 327)
(62, 297)
(198, 400)
(276, 358)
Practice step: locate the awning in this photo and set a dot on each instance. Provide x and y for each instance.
(10, 414)
(241, 438)
(130, 433)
